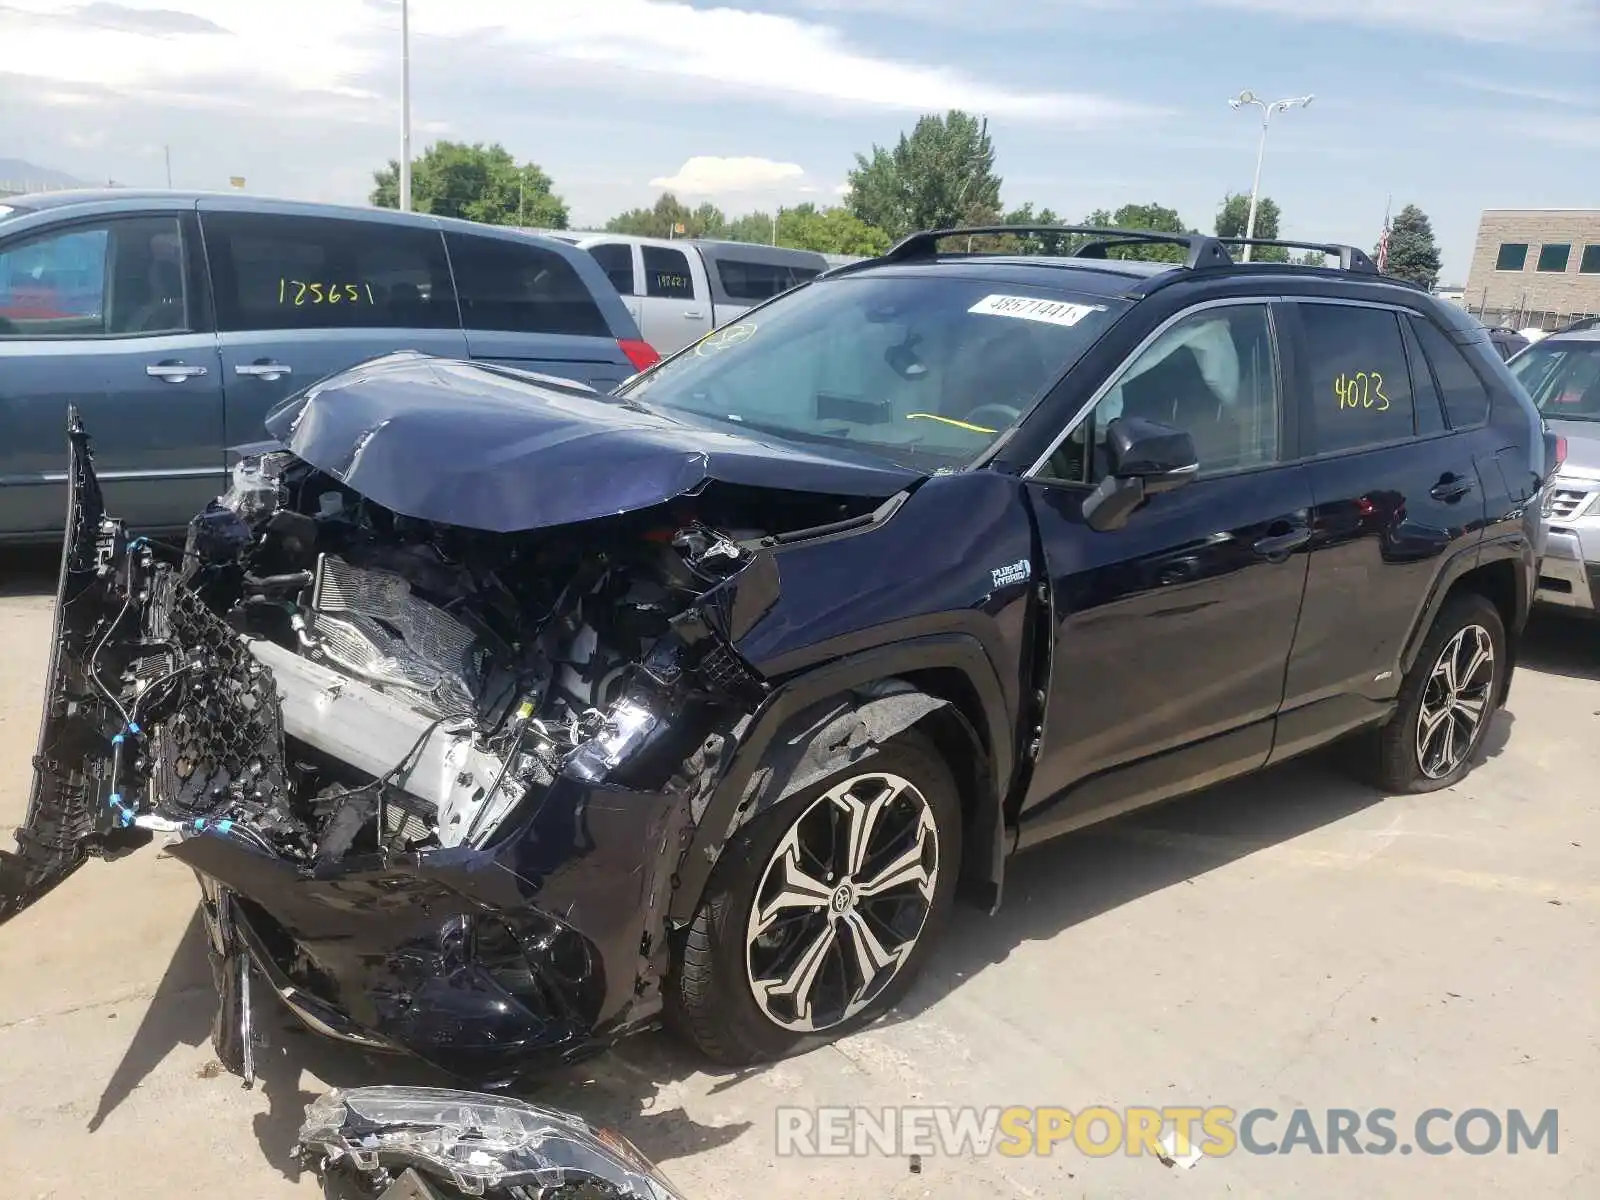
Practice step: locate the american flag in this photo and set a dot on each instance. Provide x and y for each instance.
(1383, 242)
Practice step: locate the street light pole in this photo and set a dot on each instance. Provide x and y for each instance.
(405, 105)
(1240, 101)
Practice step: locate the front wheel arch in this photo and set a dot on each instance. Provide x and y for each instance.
(934, 665)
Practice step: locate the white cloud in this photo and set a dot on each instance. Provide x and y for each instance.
(707, 175)
(754, 51)
(1547, 22)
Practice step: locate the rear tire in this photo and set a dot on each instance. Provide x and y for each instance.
(802, 934)
(1447, 701)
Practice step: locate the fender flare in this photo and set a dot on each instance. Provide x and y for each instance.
(1505, 549)
(806, 696)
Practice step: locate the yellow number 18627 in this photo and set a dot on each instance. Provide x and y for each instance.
(1364, 389)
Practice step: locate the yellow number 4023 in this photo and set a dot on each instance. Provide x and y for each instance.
(1364, 389)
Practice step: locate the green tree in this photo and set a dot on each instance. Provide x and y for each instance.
(664, 217)
(477, 183)
(1154, 217)
(752, 227)
(1412, 253)
(1311, 258)
(1233, 218)
(938, 176)
(834, 230)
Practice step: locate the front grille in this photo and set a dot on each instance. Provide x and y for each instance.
(1563, 504)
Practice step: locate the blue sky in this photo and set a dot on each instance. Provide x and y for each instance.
(1455, 105)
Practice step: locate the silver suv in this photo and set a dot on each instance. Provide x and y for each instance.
(1562, 374)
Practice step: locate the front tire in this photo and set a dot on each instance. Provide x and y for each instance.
(1447, 701)
(821, 910)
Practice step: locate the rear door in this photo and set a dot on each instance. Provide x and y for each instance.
(108, 313)
(300, 297)
(527, 304)
(1397, 492)
(677, 297)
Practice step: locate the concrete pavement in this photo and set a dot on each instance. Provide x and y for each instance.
(1294, 940)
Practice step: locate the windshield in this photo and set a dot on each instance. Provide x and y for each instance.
(1563, 378)
(920, 369)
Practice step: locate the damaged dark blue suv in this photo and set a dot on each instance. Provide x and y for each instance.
(499, 717)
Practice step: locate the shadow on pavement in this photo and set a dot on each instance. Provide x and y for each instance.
(29, 570)
(1556, 644)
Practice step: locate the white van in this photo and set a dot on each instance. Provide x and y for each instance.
(678, 290)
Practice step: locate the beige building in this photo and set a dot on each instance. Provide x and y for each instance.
(1535, 266)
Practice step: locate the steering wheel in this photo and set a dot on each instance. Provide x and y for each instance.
(993, 416)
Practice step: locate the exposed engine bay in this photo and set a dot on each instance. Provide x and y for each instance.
(427, 678)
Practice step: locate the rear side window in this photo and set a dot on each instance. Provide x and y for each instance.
(1424, 391)
(616, 260)
(1466, 400)
(290, 272)
(515, 287)
(666, 274)
(1360, 387)
(117, 278)
(759, 281)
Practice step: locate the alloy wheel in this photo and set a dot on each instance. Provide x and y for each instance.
(1455, 701)
(842, 902)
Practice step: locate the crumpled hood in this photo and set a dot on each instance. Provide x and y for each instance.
(460, 444)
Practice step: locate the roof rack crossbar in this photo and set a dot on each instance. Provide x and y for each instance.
(1350, 258)
(1201, 249)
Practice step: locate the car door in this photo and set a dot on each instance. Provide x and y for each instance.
(1170, 635)
(1396, 492)
(108, 313)
(301, 296)
(620, 262)
(677, 300)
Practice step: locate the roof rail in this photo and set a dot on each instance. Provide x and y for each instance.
(1201, 249)
(1350, 258)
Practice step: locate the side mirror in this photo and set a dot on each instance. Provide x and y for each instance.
(1146, 457)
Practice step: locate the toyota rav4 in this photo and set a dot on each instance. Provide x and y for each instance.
(499, 717)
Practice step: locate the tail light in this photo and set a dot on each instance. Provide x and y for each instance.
(641, 354)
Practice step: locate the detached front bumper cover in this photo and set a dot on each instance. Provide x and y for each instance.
(470, 1144)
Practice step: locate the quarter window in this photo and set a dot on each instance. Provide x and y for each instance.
(275, 272)
(616, 260)
(1212, 375)
(117, 279)
(755, 281)
(1554, 257)
(1589, 264)
(1465, 397)
(1513, 256)
(519, 287)
(666, 274)
(1360, 387)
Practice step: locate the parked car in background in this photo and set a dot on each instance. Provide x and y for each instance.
(680, 290)
(1562, 374)
(176, 321)
(1507, 342)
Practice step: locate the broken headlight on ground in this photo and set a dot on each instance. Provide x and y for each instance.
(469, 1144)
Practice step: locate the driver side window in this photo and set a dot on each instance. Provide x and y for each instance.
(1211, 374)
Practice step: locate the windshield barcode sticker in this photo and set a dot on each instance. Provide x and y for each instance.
(1030, 308)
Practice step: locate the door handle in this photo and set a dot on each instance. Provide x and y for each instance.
(694, 314)
(1450, 488)
(263, 369)
(173, 372)
(1281, 545)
